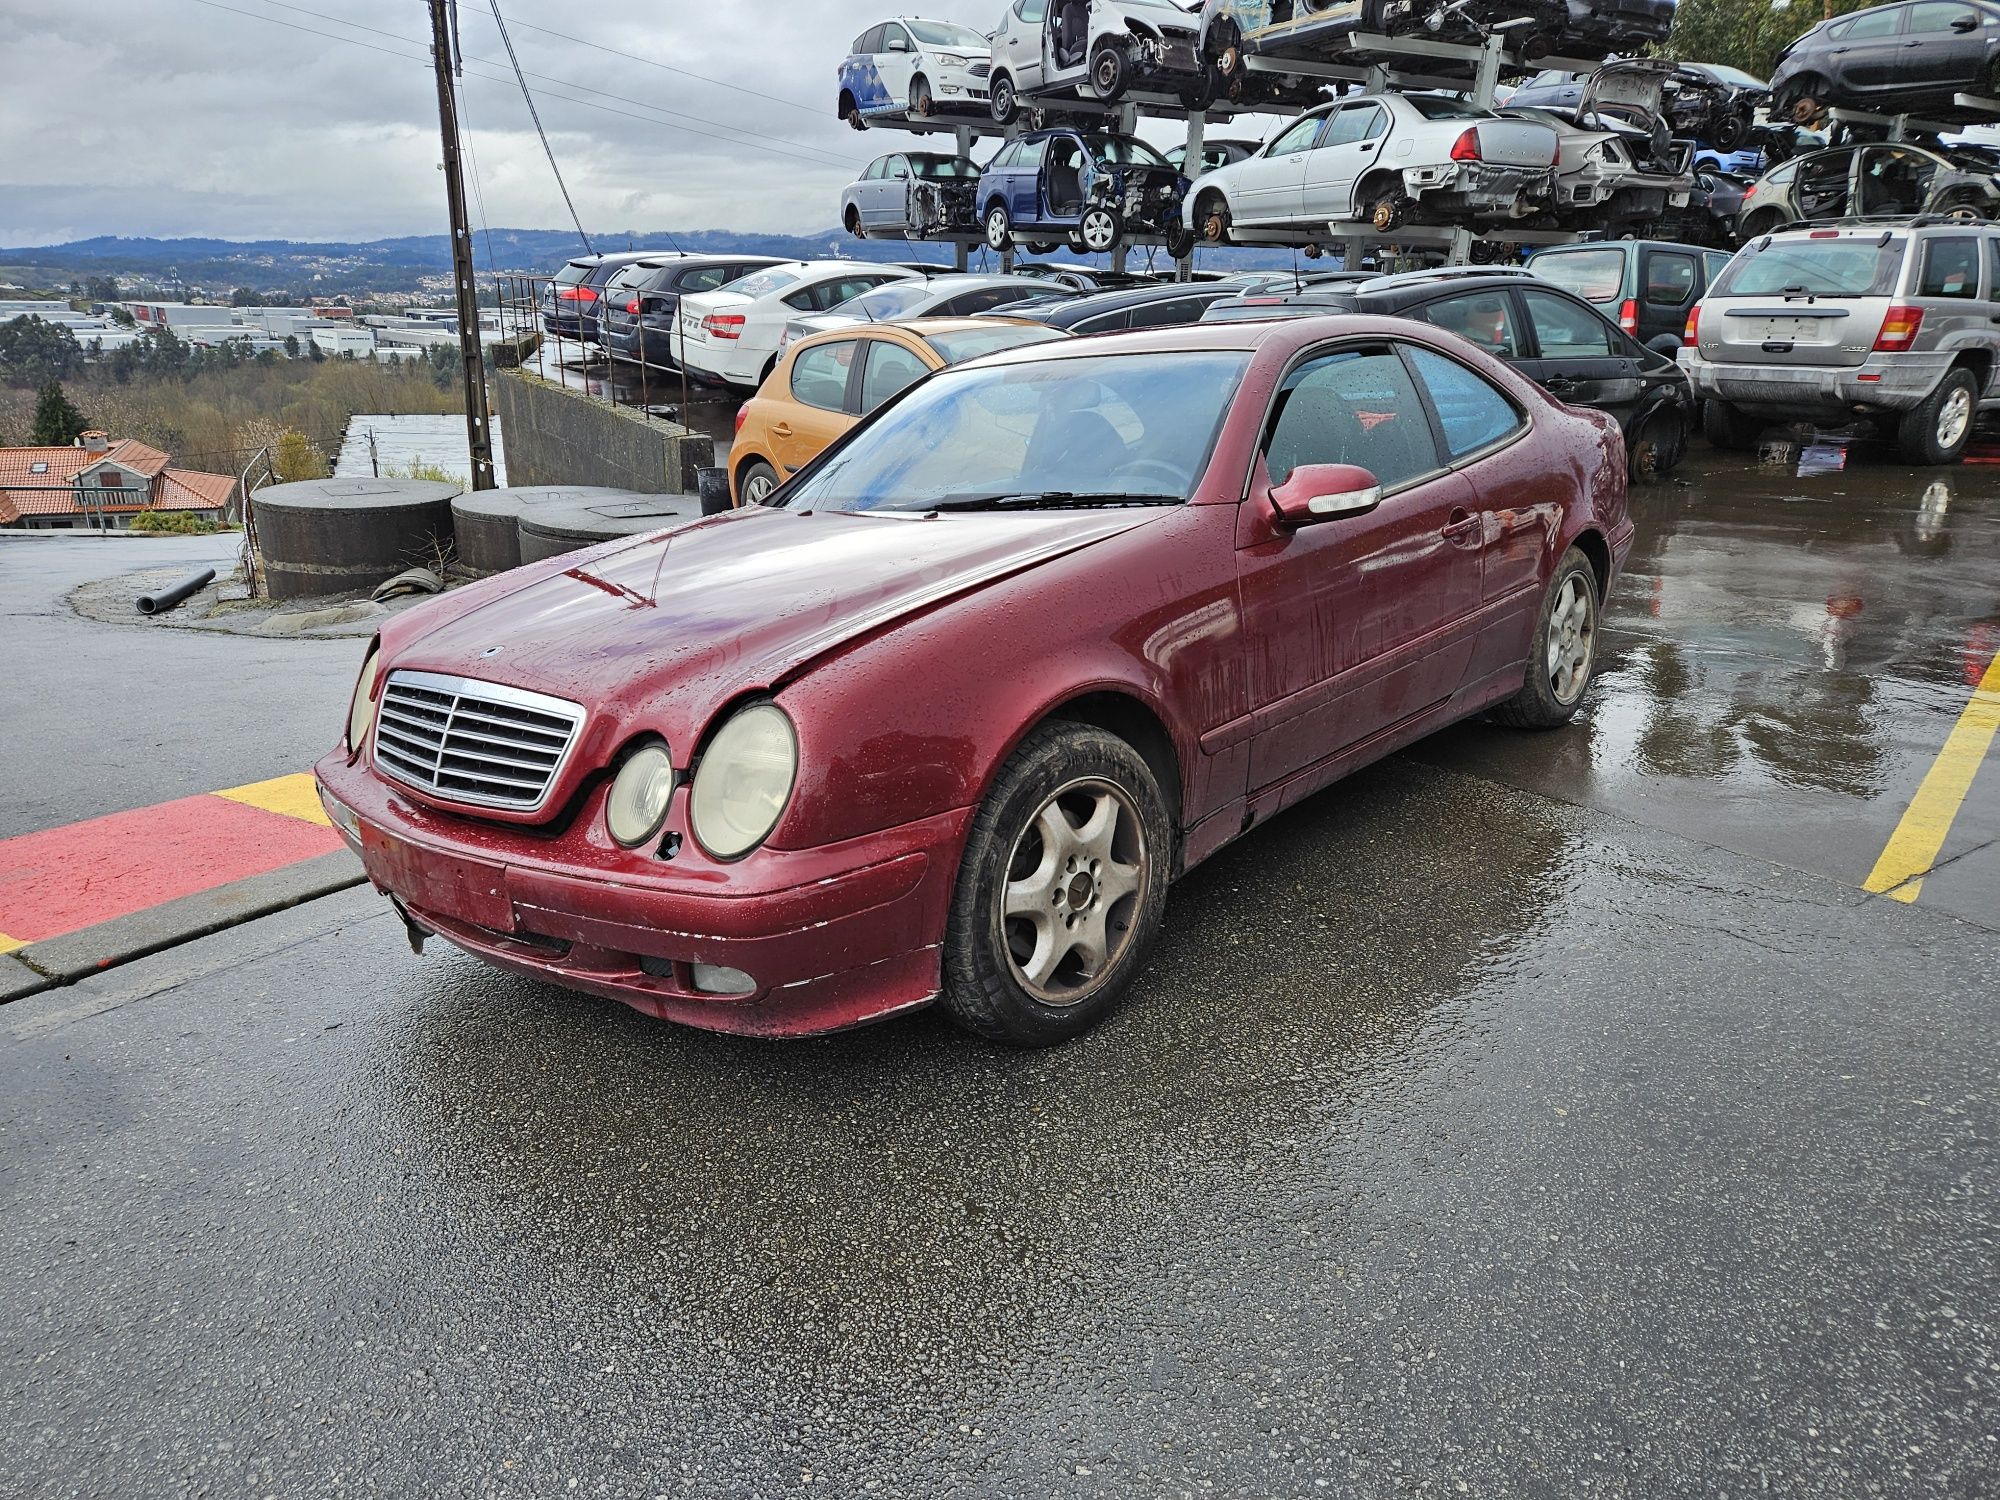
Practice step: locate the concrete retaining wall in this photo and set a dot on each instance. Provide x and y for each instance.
(560, 436)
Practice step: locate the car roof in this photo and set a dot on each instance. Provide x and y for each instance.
(1194, 338)
(1076, 308)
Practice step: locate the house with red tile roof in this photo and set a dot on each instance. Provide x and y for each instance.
(97, 484)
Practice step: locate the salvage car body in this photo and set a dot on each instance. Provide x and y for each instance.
(1090, 188)
(1387, 159)
(1250, 662)
(1879, 178)
(1096, 49)
(1892, 59)
(913, 68)
(915, 194)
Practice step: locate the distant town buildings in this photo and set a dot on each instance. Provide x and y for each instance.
(101, 485)
(333, 330)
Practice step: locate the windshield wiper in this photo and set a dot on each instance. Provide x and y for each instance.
(1053, 500)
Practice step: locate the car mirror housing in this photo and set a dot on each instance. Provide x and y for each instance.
(1325, 492)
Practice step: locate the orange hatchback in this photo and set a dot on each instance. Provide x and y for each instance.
(825, 384)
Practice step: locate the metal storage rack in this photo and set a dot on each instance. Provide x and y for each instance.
(1487, 62)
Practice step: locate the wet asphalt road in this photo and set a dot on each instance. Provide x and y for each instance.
(1534, 1115)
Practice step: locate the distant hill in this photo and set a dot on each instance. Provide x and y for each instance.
(265, 265)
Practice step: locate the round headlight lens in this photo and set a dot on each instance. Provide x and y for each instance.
(637, 805)
(361, 711)
(744, 780)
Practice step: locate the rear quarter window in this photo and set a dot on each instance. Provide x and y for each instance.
(1594, 275)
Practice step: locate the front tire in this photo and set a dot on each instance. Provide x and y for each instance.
(1564, 652)
(921, 105)
(1099, 229)
(1212, 219)
(1002, 101)
(999, 230)
(1061, 890)
(1110, 72)
(1936, 431)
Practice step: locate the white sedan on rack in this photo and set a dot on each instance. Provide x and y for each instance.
(1381, 160)
(731, 336)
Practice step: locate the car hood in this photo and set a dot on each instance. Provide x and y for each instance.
(662, 631)
(1639, 83)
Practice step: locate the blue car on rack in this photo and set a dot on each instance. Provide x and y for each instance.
(1093, 190)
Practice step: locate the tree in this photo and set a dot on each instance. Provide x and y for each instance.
(317, 353)
(292, 345)
(57, 422)
(242, 296)
(1748, 34)
(33, 352)
(101, 288)
(298, 457)
(123, 319)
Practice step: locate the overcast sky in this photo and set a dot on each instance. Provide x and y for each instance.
(177, 117)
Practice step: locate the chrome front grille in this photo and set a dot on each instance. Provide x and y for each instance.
(473, 742)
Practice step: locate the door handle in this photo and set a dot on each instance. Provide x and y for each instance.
(1559, 383)
(781, 429)
(1462, 524)
(1366, 147)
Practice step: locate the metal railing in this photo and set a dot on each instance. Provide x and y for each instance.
(568, 325)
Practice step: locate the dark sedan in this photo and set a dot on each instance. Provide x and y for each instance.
(1892, 59)
(570, 300)
(1555, 339)
(1158, 306)
(641, 304)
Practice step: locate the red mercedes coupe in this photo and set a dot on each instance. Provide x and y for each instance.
(943, 721)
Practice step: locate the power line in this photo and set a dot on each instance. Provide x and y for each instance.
(567, 83)
(536, 115)
(751, 139)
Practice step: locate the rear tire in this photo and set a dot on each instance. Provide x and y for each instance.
(754, 483)
(1728, 427)
(1936, 432)
(854, 224)
(1211, 217)
(1563, 655)
(1388, 213)
(1060, 891)
(999, 229)
(1658, 445)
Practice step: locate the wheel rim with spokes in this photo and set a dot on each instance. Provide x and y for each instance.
(757, 488)
(1098, 231)
(996, 229)
(1955, 417)
(1572, 637)
(1076, 880)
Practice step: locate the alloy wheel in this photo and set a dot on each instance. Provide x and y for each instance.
(757, 489)
(1076, 881)
(1098, 230)
(1954, 417)
(1572, 640)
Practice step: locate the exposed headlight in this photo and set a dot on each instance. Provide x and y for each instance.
(951, 60)
(361, 709)
(744, 780)
(637, 805)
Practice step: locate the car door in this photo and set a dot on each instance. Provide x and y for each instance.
(888, 370)
(1024, 181)
(1020, 43)
(1893, 179)
(1360, 622)
(1669, 283)
(1345, 150)
(820, 384)
(897, 62)
(1867, 57)
(1944, 47)
(1824, 184)
(892, 193)
(1270, 186)
(1579, 357)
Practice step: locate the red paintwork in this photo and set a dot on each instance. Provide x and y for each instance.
(913, 653)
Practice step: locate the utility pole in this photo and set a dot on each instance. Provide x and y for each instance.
(478, 425)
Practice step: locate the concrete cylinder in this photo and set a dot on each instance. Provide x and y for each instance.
(344, 536)
(551, 530)
(489, 521)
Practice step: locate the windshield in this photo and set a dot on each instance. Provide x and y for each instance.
(957, 348)
(1113, 429)
(1124, 151)
(886, 302)
(1594, 275)
(758, 283)
(1815, 268)
(944, 34)
(943, 168)
(1437, 107)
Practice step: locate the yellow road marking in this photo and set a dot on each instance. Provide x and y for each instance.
(1913, 848)
(293, 795)
(8, 945)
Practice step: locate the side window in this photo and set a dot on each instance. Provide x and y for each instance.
(1951, 267)
(1932, 16)
(899, 168)
(1033, 11)
(806, 301)
(708, 278)
(871, 41)
(1564, 330)
(1298, 137)
(1485, 319)
(892, 35)
(1472, 413)
(1874, 24)
(1356, 406)
(1715, 260)
(1166, 312)
(1354, 124)
(832, 293)
(1109, 322)
(875, 169)
(1669, 278)
(890, 368)
(1993, 269)
(819, 375)
(966, 303)
(1007, 157)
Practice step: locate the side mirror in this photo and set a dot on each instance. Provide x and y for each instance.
(1964, 23)
(897, 44)
(1325, 492)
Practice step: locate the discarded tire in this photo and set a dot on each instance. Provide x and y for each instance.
(489, 521)
(344, 536)
(551, 530)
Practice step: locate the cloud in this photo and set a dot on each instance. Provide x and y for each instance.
(178, 117)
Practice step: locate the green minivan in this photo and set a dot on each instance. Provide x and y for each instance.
(1646, 287)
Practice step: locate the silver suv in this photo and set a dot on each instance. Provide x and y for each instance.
(1897, 321)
